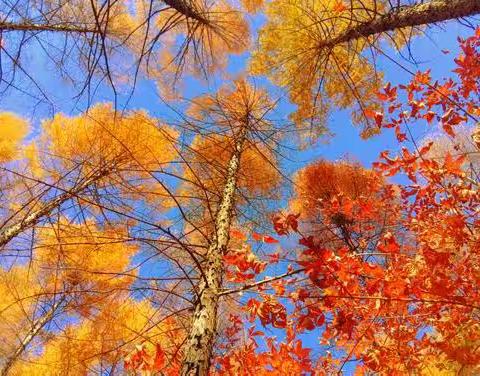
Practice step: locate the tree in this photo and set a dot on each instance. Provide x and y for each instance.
(136, 245)
(116, 43)
(325, 53)
(412, 297)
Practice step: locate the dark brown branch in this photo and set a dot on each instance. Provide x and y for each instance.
(187, 10)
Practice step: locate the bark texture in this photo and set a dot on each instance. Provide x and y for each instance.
(415, 15)
(35, 27)
(199, 345)
(7, 233)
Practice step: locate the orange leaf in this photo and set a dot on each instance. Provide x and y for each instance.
(159, 361)
(339, 7)
(269, 240)
(238, 235)
(256, 236)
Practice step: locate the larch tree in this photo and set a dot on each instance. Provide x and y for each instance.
(325, 52)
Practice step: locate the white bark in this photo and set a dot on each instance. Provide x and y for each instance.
(11, 231)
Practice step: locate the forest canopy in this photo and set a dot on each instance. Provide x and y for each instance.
(254, 187)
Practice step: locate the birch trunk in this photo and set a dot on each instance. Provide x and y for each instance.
(199, 344)
(414, 15)
(32, 333)
(11, 231)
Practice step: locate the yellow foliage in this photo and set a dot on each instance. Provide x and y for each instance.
(20, 290)
(30, 152)
(252, 6)
(198, 47)
(291, 54)
(115, 19)
(102, 137)
(82, 270)
(12, 131)
(102, 341)
(211, 155)
(234, 105)
(87, 261)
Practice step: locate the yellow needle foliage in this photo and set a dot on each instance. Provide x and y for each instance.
(198, 47)
(291, 54)
(209, 166)
(12, 131)
(100, 343)
(234, 105)
(86, 261)
(115, 20)
(20, 290)
(103, 137)
(231, 109)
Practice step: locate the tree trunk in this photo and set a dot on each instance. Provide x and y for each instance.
(32, 333)
(9, 232)
(31, 26)
(414, 15)
(200, 341)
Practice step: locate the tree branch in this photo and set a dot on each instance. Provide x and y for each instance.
(415, 15)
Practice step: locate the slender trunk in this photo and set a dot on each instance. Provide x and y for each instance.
(31, 26)
(199, 344)
(414, 15)
(9, 232)
(32, 333)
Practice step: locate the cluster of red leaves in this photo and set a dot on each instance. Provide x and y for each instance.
(399, 290)
(285, 358)
(142, 360)
(242, 265)
(239, 235)
(284, 224)
(270, 312)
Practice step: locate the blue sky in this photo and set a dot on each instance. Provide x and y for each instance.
(346, 140)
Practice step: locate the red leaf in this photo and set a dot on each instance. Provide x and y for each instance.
(400, 135)
(256, 236)
(238, 234)
(269, 240)
(159, 361)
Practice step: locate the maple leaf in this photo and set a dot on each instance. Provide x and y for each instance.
(375, 115)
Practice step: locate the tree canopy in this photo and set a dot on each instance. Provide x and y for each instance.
(168, 205)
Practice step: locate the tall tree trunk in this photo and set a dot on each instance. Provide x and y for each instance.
(199, 344)
(414, 15)
(6, 26)
(32, 333)
(9, 232)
